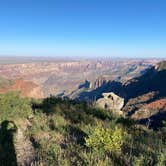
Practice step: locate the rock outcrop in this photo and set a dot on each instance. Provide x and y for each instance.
(98, 83)
(149, 110)
(111, 102)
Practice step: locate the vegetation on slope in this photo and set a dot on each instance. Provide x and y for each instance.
(64, 132)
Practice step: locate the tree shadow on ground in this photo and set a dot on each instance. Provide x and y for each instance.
(7, 150)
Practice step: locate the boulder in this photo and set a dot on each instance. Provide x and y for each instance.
(111, 102)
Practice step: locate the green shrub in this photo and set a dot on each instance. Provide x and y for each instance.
(39, 123)
(161, 159)
(58, 123)
(13, 106)
(106, 139)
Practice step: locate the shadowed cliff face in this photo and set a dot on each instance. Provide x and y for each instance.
(7, 149)
(153, 80)
(110, 86)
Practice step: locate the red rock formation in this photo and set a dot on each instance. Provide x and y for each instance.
(158, 105)
(26, 89)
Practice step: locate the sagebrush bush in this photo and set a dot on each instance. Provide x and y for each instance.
(161, 158)
(106, 139)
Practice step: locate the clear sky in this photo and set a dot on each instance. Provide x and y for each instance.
(114, 28)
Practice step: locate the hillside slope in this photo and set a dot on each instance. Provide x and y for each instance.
(55, 132)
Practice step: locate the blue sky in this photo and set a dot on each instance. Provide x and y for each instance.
(114, 28)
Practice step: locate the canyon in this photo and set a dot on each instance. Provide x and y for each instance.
(64, 78)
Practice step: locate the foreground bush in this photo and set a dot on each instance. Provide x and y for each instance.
(106, 139)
